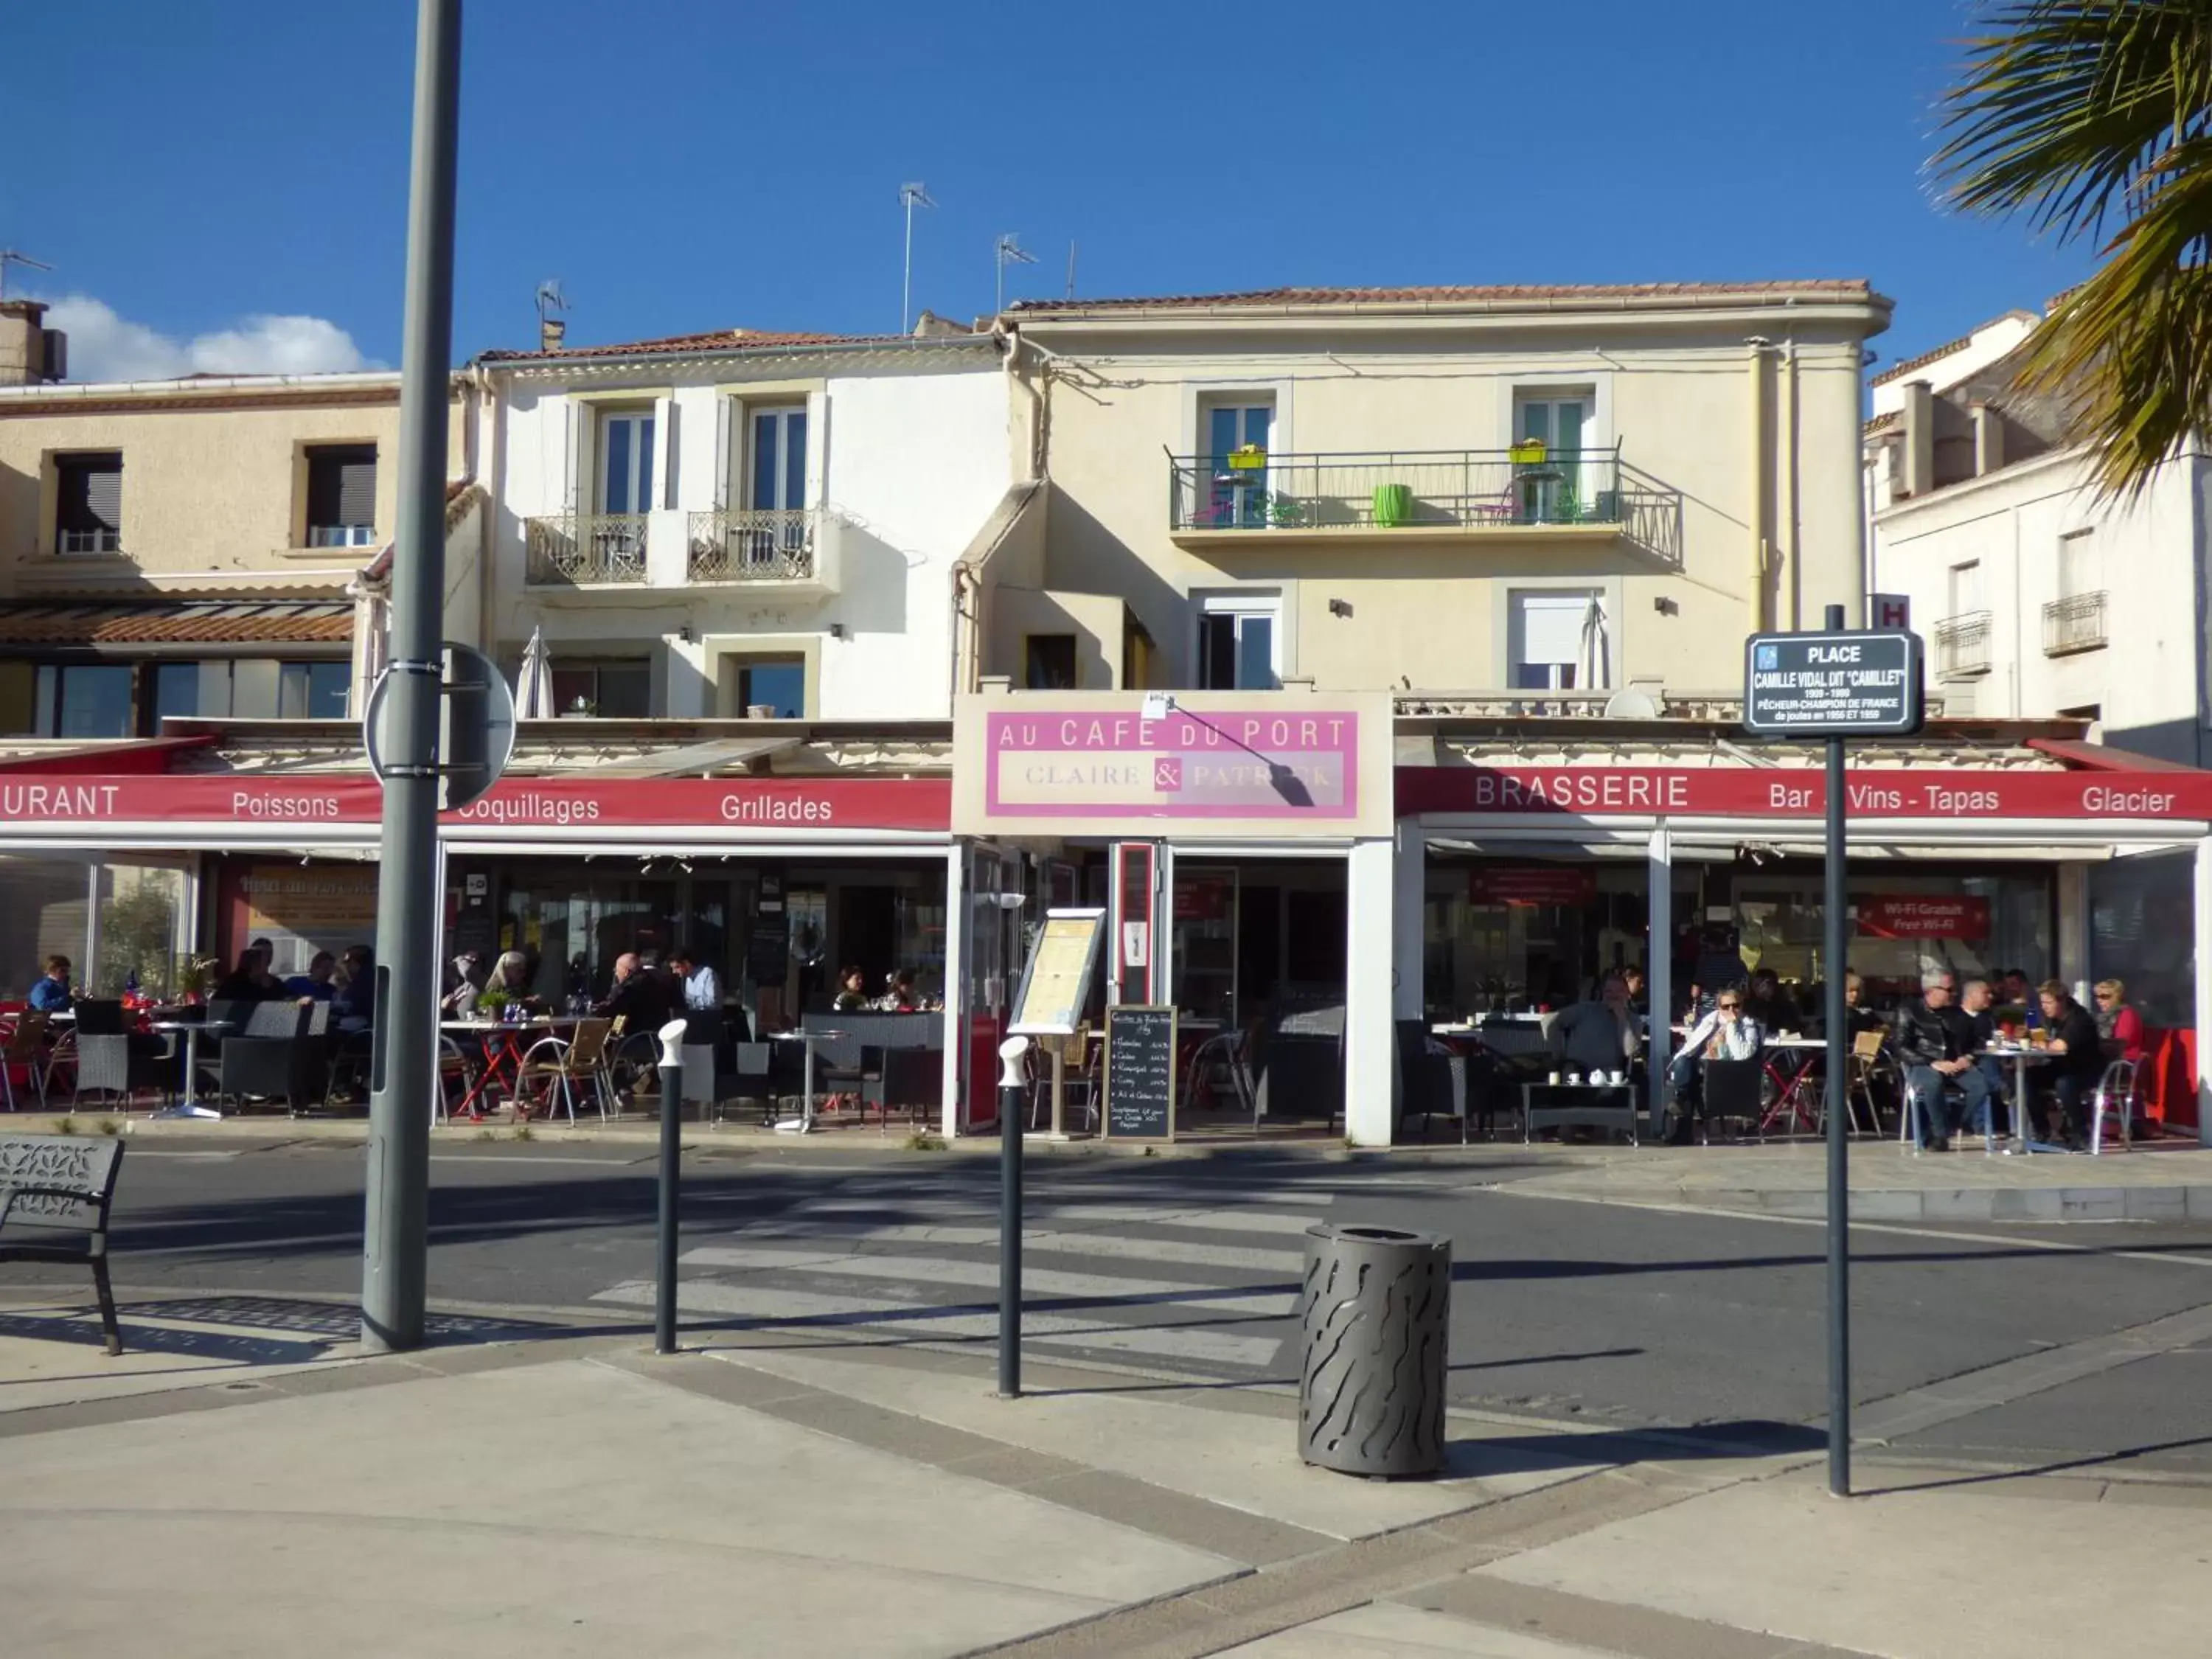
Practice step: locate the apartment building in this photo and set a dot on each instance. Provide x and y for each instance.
(197, 547)
(1561, 492)
(2037, 596)
(739, 521)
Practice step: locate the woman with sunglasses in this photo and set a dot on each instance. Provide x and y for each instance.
(2119, 1024)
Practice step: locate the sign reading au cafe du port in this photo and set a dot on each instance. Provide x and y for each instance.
(1264, 764)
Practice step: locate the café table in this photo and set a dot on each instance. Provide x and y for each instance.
(2022, 1057)
(803, 1123)
(188, 1105)
(1577, 1105)
(503, 1049)
(1794, 1102)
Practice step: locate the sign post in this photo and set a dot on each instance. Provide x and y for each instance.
(1835, 685)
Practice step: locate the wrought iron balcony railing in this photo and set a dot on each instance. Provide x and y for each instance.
(574, 548)
(1962, 645)
(2074, 624)
(1461, 489)
(758, 544)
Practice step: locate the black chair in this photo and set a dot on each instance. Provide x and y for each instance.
(912, 1078)
(1734, 1088)
(97, 1018)
(1429, 1084)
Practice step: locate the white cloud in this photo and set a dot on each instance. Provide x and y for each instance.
(103, 346)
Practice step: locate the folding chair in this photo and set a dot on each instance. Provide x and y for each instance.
(2115, 1097)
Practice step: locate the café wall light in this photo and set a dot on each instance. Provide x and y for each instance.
(1340, 607)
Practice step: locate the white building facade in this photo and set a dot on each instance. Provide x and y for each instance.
(719, 524)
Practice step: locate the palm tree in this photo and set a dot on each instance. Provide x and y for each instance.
(2086, 114)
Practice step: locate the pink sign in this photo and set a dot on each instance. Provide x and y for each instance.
(1215, 763)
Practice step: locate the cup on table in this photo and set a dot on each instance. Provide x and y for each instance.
(1553, 1079)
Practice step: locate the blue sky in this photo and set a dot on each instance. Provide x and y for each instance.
(228, 178)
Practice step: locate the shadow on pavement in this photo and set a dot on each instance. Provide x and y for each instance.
(1523, 1453)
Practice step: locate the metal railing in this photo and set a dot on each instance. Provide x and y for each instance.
(758, 545)
(1962, 645)
(1382, 489)
(2075, 624)
(571, 548)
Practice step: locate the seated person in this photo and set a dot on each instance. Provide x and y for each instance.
(1857, 1016)
(1726, 1033)
(50, 993)
(1978, 1002)
(1936, 1042)
(643, 1001)
(852, 992)
(2077, 1063)
(898, 997)
(353, 998)
(249, 981)
(464, 977)
(703, 992)
(508, 985)
(316, 984)
(1599, 1035)
(2119, 1024)
(2020, 1002)
(1771, 1006)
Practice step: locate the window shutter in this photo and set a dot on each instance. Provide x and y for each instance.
(357, 490)
(103, 493)
(817, 448)
(722, 407)
(663, 483)
(575, 457)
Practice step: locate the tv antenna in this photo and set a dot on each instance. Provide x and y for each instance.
(550, 298)
(911, 196)
(1008, 251)
(1071, 267)
(10, 257)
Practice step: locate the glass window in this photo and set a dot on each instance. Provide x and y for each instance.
(779, 460)
(1238, 643)
(176, 692)
(781, 686)
(1237, 494)
(135, 933)
(341, 495)
(1544, 640)
(610, 690)
(626, 464)
(313, 691)
(83, 700)
(1049, 662)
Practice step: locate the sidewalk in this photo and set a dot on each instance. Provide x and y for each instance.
(242, 1477)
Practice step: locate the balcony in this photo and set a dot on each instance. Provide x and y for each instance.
(577, 550)
(2075, 624)
(1214, 500)
(765, 545)
(1962, 645)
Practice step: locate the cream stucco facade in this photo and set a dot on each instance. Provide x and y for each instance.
(1732, 505)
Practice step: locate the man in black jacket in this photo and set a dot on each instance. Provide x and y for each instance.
(642, 999)
(2077, 1063)
(1937, 1043)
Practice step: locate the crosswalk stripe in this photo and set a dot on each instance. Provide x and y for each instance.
(1044, 1241)
(928, 1324)
(1223, 1221)
(1036, 1281)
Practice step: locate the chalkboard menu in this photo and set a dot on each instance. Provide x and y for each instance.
(768, 952)
(1140, 1071)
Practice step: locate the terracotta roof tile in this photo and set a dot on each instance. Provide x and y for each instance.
(1949, 346)
(727, 339)
(187, 623)
(1502, 294)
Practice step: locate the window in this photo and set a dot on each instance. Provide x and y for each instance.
(776, 467)
(88, 508)
(610, 690)
(1552, 638)
(1553, 490)
(1236, 490)
(776, 684)
(1966, 588)
(82, 700)
(626, 463)
(176, 693)
(341, 495)
(1049, 662)
(313, 690)
(1239, 644)
(2077, 564)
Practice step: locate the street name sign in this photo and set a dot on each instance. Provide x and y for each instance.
(1865, 682)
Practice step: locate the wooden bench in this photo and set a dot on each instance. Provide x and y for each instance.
(56, 1185)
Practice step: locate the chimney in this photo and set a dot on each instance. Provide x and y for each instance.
(1919, 438)
(25, 346)
(551, 331)
(1988, 440)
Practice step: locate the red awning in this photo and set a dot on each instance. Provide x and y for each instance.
(139, 758)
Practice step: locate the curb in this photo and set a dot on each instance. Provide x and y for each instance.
(2031, 1204)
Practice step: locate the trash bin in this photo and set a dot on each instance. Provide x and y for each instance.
(1375, 1315)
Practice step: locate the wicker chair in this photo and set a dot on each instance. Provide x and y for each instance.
(25, 1050)
(563, 1065)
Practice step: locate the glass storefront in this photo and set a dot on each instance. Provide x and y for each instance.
(116, 920)
(1904, 921)
(1501, 935)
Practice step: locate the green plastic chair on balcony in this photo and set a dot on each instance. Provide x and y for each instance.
(1394, 504)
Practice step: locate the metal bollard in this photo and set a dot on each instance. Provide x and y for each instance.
(1375, 1315)
(671, 1147)
(1010, 1216)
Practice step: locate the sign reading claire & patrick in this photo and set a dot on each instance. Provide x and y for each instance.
(1254, 763)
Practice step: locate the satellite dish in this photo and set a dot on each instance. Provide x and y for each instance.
(1631, 705)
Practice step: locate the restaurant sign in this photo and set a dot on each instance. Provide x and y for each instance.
(1190, 764)
(31, 802)
(1568, 884)
(1912, 915)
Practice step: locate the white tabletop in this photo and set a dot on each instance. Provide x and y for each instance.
(192, 1025)
(1798, 1043)
(540, 1022)
(2021, 1053)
